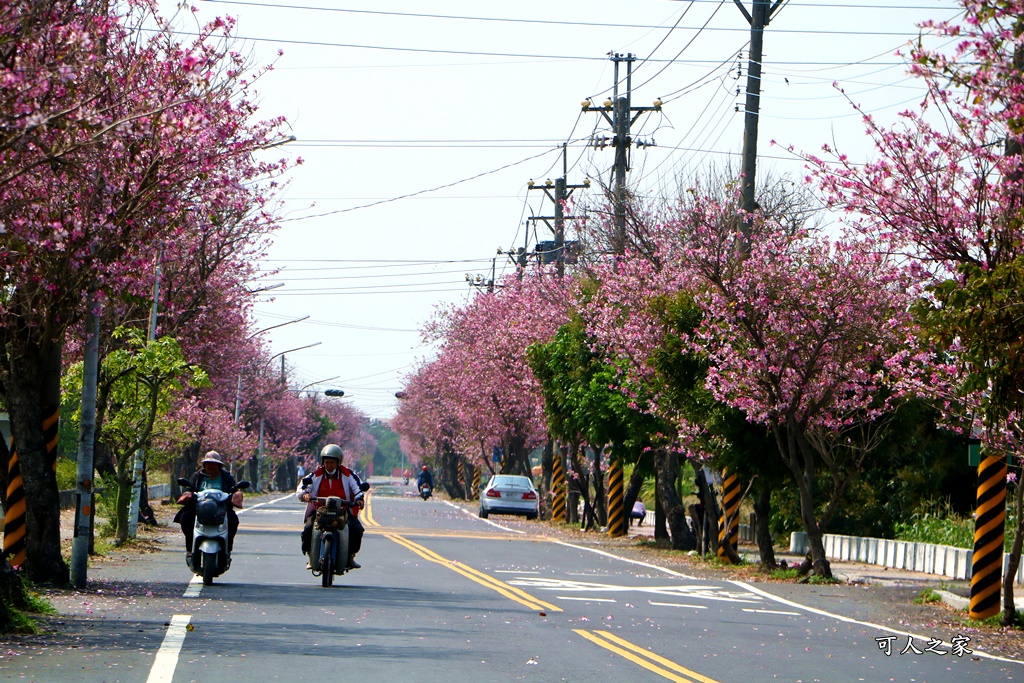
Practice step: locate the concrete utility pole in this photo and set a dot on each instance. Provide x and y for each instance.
(84, 494)
(758, 18)
(621, 120)
(563, 191)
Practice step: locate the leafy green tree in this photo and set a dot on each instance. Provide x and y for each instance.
(135, 390)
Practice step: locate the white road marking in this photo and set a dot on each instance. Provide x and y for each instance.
(676, 604)
(269, 502)
(194, 587)
(512, 571)
(771, 611)
(485, 521)
(851, 620)
(564, 597)
(167, 656)
(702, 592)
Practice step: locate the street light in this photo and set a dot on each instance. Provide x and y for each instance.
(297, 348)
(238, 393)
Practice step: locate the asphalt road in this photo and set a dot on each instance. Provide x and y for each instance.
(446, 597)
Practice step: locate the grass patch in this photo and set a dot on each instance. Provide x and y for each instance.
(928, 597)
(822, 580)
(784, 574)
(22, 602)
(995, 621)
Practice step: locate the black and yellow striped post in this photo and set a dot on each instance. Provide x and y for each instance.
(987, 566)
(476, 483)
(731, 512)
(14, 514)
(616, 499)
(557, 487)
(462, 476)
(50, 435)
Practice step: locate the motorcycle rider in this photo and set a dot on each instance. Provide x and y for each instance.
(425, 478)
(212, 475)
(332, 479)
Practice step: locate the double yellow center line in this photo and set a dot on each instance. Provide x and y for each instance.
(510, 592)
(645, 658)
(665, 668)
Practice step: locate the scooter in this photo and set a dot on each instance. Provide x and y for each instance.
(328, 549)
(425, 491)
(210, 555)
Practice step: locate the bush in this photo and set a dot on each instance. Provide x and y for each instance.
(937, 522)
(67, 474)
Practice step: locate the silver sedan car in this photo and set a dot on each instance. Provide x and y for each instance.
(509, 494)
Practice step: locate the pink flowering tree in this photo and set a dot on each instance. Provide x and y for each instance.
(135, 140)
(810, 337)
(479, 392)
(947, 189)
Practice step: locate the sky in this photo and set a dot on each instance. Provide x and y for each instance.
(420, 123)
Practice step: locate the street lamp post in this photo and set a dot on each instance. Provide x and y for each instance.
(259, 455)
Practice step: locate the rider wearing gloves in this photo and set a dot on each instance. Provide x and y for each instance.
(211, 476)
(332, 479)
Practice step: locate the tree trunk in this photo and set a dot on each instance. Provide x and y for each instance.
(660, 527)
(799, 457)
(1009, 608)
(31, 378)
(123, 498)
(449, 473)
(545, 478)
(763, 535)
(600, 498)
(636, 480)
(5, 463)
(709, 512)
(666, 464)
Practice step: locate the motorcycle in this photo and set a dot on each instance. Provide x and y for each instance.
(210, 555)
(425, 491)
(328, 549)
(405, 481)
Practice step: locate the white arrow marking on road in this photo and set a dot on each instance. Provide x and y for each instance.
(167, 656)
(702, 592)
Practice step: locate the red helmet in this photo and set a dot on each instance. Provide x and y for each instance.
(424, 468)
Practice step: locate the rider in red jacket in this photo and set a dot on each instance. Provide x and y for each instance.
(332, 479)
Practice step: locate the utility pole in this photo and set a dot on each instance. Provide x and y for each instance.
(563, 191)
(621, 120)
(140, 459)
(84, 494)
(758, 18)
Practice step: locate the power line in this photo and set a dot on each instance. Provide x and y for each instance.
(511, 55)
(419, 192)
(584, 24)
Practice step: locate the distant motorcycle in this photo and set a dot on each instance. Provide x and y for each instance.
(210, 554)
(425, 491)
(328, 550)
(405, 481)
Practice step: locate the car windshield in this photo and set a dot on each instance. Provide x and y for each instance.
(511, 480)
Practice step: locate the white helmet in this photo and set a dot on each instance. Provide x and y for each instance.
(331, 451)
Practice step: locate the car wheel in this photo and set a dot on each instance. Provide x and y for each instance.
(531, 516)
(483, 513)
